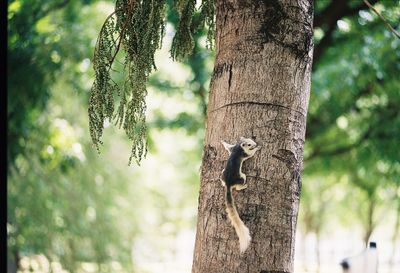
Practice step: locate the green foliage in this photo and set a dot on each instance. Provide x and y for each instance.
(355, 94)
(207, 17)
(136, 27)
(30, 69)
(182, 44)
(353, 122)
(63, 200)
(47, 156)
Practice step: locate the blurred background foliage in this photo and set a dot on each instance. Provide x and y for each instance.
(70, 209)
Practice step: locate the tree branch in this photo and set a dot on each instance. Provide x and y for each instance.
(383, 19)
(41, 14)
(340, 150)
(327, 19)
(388, 112)
(322, 46)
(317, 123)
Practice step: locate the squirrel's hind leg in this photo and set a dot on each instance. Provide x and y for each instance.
(240, 187)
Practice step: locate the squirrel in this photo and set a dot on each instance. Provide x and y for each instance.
(234, 178)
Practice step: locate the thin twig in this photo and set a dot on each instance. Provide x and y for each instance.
(383, 19)
(121, 34)
(96, 47)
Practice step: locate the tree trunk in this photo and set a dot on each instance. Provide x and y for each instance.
(303, 251)
(13, 262)
(318, 249)
(370, 225)
(260, 89)
(394, 237)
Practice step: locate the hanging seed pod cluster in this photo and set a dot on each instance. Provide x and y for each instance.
(128, 40)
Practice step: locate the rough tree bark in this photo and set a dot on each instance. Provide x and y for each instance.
(260, 89)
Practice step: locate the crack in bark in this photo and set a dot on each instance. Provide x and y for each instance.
(205, 226)
(257, 103)
(220, 69)
(230, 78)
(293, 165)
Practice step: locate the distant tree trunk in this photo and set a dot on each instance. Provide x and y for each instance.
(260, 89)
(13, 262)
(318, 248)
(370, 224)
(395, 237)
(304, 250)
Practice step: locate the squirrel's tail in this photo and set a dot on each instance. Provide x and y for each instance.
(241, 230)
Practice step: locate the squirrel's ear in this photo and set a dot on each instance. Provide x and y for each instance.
(227, 146)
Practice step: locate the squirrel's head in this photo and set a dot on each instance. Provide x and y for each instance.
(247, 144)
